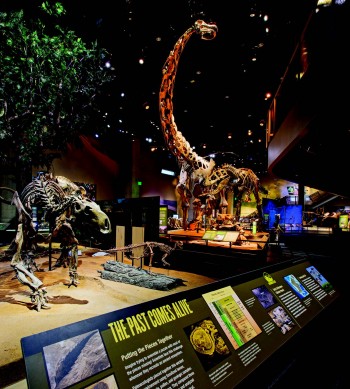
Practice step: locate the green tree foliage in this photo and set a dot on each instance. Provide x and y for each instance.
(50, 83)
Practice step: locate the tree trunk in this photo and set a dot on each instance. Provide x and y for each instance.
(23, 175)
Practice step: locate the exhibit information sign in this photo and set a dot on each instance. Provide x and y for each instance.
(208, 337)
(163, 219)
(221, 236)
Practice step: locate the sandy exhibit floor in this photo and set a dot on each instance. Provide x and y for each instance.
(92, 297)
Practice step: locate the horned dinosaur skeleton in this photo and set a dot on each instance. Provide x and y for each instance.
(65, 206)
(196, 170)
(148, 250)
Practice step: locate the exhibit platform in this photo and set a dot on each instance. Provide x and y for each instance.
(275, 353)
(219, 253)
(93, 296)
(234, 240)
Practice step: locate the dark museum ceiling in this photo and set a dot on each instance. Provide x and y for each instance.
(221, 84)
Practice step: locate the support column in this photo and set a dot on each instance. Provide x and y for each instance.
(301, 195)
(230, 203)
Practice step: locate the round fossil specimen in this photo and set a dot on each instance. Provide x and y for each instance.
(202, 341)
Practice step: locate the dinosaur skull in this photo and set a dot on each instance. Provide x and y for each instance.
(88, 214)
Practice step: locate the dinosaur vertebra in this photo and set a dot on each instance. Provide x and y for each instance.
(196, 170)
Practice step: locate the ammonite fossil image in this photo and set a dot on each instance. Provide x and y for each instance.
(206, 339)
(202, 341)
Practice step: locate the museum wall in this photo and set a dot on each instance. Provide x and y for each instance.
(114, 177)
(88, 165)
(117, 176)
